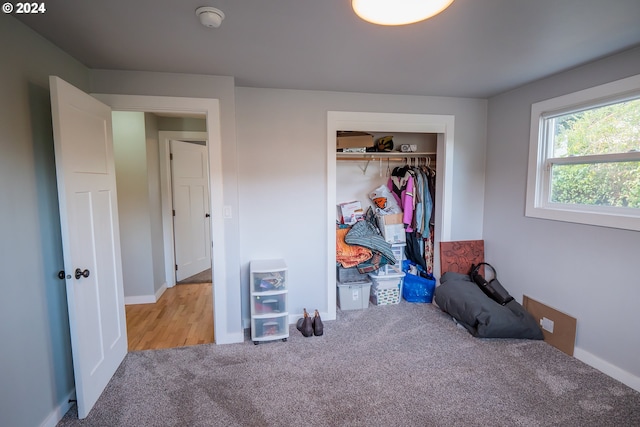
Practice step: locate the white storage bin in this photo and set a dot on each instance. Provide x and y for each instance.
(354, 295)
(386, 288)
(350, 275)
(398, 253)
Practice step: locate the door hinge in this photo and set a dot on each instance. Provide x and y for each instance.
(176, 267)
(174, 212)
(170, 156)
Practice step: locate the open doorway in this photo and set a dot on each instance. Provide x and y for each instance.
(226, 298)
(164, 210)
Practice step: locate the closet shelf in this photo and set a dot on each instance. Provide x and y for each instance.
(391, 155)
(394, 156)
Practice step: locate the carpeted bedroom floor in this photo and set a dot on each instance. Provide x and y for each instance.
(399, 365)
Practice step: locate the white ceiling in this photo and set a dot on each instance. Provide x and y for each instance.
(476, 48)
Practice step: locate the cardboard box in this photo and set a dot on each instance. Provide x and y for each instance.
(350, 212)
(392, 228)
(558, 328)
(354, 140)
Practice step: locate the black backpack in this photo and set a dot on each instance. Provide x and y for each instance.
(493, 289)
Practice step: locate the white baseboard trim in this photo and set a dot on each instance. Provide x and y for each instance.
(146, 299)
(58, 413)
(160, 291)
(140, 299)
(607, 368)
(236, 337)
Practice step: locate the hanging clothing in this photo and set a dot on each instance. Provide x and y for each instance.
(414, 248)
(401, 185)
(418, 215)
(431, 178)
(413, 187)
(427, 203)
(428, 251)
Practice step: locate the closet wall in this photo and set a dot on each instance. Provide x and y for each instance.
(355, 179)
(287, 178)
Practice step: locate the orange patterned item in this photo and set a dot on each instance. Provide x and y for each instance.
(349, 255)
(458, 256)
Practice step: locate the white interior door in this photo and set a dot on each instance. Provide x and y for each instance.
(191, 220)
(90, 238)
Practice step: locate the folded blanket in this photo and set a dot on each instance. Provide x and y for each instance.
(363, 233)
(349, 255)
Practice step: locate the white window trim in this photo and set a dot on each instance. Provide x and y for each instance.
(538, 185)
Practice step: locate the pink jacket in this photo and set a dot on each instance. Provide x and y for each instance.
(404, 187)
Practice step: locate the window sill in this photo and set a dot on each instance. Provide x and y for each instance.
(600, 218)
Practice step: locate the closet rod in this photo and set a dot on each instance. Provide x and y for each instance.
(388, 156)
(391, 159)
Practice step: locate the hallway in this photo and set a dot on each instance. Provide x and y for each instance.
(182, 316)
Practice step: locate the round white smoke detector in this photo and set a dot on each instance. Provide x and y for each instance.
(210, 16)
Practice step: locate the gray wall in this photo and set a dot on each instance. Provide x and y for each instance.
(134, 210)
(191, 124)
(586, 271)
(36, 373)
(151, 128)
(282, 157)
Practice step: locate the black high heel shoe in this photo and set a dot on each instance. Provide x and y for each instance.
(318, 327)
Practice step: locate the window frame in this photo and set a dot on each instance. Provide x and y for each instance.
(538, 204)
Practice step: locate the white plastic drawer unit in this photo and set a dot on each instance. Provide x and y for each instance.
(269, 303)
(269, 281)
(269, 328)
(269, 309)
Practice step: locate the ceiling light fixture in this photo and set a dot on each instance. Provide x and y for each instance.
(210, 16)
(398, 12)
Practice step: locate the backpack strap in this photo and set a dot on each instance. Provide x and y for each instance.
(476, 268)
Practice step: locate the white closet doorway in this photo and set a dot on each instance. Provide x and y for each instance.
(442, 125)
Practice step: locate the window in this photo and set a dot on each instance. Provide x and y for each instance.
(584, 157)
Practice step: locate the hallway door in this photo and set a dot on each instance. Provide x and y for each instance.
(191, 218)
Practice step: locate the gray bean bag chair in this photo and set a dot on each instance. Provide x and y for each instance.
(458, 296)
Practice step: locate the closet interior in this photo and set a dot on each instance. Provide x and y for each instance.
(403, 163)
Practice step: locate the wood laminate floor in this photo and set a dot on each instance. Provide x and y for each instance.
(182, 316)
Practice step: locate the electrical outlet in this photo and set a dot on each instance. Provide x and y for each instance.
(547, 324)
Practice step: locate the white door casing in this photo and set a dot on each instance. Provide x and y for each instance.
(443, 125)
(90, 238)
(226, 297)
(190, 192)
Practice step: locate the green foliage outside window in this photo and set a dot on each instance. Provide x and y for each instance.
(604, 130)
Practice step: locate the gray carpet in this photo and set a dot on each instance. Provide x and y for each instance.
(400, 365)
